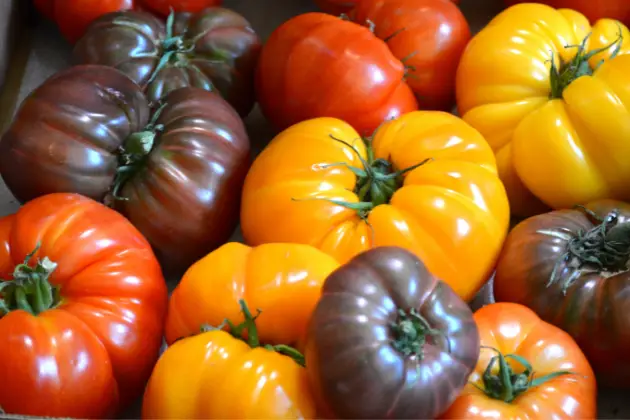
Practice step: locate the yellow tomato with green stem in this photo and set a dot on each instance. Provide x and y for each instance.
(551, 95)
(426, 181)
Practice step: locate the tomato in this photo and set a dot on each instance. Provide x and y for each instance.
(74, 16)
(571, 268)
(175, 172)
(216, 50)
(82, 307)
(554, 130)
(281, 280)
(593, 10)
(389, 340)
(527, 369)
(337, 7)
(164, 7)
(215, 375)
(317, 65)
(427, 182)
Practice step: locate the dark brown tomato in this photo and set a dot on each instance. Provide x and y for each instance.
(216, 49)
(571, 268)
(177, 175)
(389, 340)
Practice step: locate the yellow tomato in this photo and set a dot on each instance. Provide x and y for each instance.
(533, 83)
(428, 183)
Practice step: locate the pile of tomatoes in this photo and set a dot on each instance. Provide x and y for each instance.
(370, 221)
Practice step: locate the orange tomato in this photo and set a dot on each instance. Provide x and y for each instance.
(555, 131)
(552, 377)
(215, 375)
(318, 183)
(283, 281)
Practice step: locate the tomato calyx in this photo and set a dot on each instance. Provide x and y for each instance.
(605, 247)
(30, 290)
(249, 326)
(564, 74)
(411, 331)
(508, 385)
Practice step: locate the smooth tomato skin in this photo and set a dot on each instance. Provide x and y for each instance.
(428, 36)
(515, 329)
(74, 16)
(550, 152)
(283, 281)
(445, 212)
(92, 354)
(337, 7)
(164, 7)
(215, 376)
(593, 10)
(317, 65)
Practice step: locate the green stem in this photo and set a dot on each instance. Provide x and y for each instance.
(410, 332)
(507, 385)
(29, 290)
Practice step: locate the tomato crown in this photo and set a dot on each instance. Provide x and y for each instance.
(30, 290)
(563, 75)
(411, 331)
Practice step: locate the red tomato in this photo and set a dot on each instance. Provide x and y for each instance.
(81, 323)
(337, 7)
(592, 9)
(398, 53)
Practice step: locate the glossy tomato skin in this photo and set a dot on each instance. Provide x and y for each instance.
(307, 70)
(223, 57)
(593, 10)
(294, 177)
(164, 7)
(588, 302)
(428, 36)
(283, 281)
(183, 195)
(216, 376)
(92, 354)
(336, 7)
(353, 364)
(560, 151)
(74, 16)
(515, 329)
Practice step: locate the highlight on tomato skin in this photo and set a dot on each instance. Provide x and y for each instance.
(594, 10)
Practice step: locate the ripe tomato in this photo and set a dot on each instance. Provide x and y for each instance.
(215, 375)
(427, 183)
(555, 130)
(281, 280)
(317, 65)
(81, 324)
(594, 10)
(337, 7)
(164, 7)
(544, 373)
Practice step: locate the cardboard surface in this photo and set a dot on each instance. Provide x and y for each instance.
(41, 52)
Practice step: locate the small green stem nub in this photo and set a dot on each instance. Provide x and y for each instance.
(249, 326)
(507, 385)
(29, 290)
(410, 333)
(563, 75)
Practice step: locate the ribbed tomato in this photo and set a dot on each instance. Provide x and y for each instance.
(426, 182)
(592, 9)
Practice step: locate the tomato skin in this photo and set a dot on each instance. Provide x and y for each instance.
(283, 281)
(337, 7)
(164, 7)
(292, 178)
(561, 151)
(593, 10)
(319, 77)
(92, 354)
(515, 329)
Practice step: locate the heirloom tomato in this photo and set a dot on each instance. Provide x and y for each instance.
(337, 7)
(217, 375)
(215, 49)
(427, 182)
(549, 93)
(283, 281)
(527, 369)
(389, 340)
(571, 268)
(82, 305)
(175, 173)
(165, 7)
(592, 9)
(394, 55)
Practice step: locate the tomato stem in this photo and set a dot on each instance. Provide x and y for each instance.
(507, 385)
(563, 75)
(410, 332)
(29, 290)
